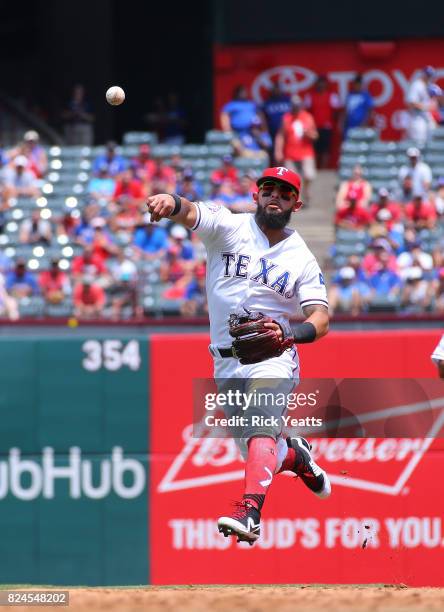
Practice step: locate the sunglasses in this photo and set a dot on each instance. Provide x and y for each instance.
(285, 191)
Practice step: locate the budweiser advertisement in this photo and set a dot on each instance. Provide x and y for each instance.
(383, 522)
(387, 69)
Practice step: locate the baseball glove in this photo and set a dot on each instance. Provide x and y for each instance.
(252, 341)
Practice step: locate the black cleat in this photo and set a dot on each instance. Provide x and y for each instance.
(314, 477)
(244, 523)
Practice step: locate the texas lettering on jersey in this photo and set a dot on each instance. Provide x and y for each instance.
(269, 274)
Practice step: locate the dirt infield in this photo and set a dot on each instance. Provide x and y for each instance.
(251, 599)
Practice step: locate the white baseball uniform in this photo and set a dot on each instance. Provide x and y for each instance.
(438, 353)
(243, 270)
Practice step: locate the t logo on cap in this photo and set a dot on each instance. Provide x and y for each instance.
(281, 170)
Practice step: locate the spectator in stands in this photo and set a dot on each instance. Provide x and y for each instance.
(352, 216)
(195, 294)
(416, 293)
(129, 189)
(255, 144)
(227, 171)
(243, 201)
(438, 291)
(78, 119)
(179, 239)
(5, 262)
(123, 289)
(175, 121)
(4, 207)
(238, 114)
(419, 103)
(294, 146)
(150, 241)
(144, 164)
(323, 104)
(54, 284)
(357, 185)
(380, 255)
(20, 282)
(8, 305)
(226, 194)
(35, 230)
(419, 172)
(358, 106)
(420, 213)
(384, 211)
(436, 103)
(438, 197)
(124, 222)
(35, 153)
(19, 181)
(189, 187)
(163, 180)
(173, 269)
(414, 257)
(102, 242)
(344, 294)
(114, 162)
(404, 193)
(88, 263)
(384, 283)
(89, 298)
(274, 108)
(102, 186)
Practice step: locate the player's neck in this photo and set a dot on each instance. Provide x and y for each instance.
(275, 235)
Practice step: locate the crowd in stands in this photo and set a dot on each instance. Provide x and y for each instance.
(395, 260)
(401, 231)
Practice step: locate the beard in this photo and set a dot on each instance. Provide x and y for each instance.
(274, 220)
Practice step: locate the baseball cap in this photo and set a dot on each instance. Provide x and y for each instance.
(144, 148)
(284, 175)
(429, 71)
(227, 159)
(31, 135)
(20, 160)
(382, 243)
(347, 273)
(296, 100)
(440, 182)
(383, 192)
(435, 90)
(178, 232)
(413, 152)
(98, 222)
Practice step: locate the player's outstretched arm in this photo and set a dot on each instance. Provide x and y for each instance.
(165, 205)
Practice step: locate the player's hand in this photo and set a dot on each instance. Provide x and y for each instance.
(160, 206)
(277, 328)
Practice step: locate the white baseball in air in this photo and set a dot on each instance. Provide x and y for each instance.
(115, 95)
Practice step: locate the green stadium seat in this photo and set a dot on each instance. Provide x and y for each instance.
(362, 133)
(220, 150)
(194, 150)
(138, 138)
(379, 146)
(218, 137)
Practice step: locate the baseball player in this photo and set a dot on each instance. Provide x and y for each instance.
(258, 273)
(438, 357)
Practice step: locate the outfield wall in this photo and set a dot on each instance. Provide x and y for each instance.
(102, 483)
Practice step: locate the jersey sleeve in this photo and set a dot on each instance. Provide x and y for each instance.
(438, 353)
(311, 286)
(214, 223)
